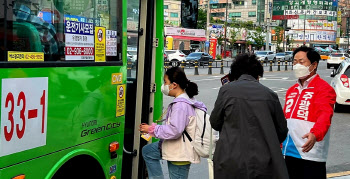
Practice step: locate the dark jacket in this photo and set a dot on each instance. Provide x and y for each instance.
(252, 125)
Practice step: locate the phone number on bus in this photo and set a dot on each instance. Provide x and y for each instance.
(80, 51)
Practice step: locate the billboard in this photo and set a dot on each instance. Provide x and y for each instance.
(189, 13)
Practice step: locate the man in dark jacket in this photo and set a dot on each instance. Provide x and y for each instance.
(252, 125)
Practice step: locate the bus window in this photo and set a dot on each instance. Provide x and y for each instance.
(68, 30)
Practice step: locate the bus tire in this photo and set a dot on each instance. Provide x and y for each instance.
(82, 166)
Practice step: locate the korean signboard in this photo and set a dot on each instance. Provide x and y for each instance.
(79, 40)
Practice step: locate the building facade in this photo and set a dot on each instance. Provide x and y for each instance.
(172, 13)
(311, 22)
(242, 10)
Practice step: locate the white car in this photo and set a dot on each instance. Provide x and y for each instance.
(335, 59)
(266, 56)
(175, 57)
(340, 83)
(289, 55)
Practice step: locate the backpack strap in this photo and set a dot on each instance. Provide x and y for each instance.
(202, 136)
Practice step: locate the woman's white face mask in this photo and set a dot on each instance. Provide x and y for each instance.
(301, 71)
(165, 89)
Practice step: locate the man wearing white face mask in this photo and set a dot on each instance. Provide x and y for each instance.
(308, 110)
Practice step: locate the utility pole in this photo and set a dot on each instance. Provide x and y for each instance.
(208, 22)
(304, 28)
(267, 44)
(225, 29)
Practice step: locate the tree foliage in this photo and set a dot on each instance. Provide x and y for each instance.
(202, 19)
(279, 36)
(258, 37)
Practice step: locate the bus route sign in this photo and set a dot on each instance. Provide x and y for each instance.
(23, 114)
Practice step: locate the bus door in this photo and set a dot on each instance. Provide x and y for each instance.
(145, 76)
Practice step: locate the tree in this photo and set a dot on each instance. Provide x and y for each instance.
(279, 36)
(258, 37)
(202, 19)
(233, 39)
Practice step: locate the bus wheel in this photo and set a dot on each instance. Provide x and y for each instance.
(82, 166)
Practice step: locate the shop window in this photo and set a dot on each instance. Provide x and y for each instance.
(166, 6)
(67, 30)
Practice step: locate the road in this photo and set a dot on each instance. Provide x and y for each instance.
(209, 85)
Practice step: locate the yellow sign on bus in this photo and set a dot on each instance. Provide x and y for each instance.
(120, 100)
(100, 44)
(117, 78)
(25, 56)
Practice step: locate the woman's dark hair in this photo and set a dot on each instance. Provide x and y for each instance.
(176, 75)
(246, 64)
(311, 54)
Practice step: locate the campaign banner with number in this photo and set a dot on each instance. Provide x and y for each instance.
(79, 41)
(23, 114)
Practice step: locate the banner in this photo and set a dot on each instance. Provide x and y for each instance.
(212, 47)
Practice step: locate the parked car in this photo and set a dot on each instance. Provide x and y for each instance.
(335, 59)
(201, 57)
(340, 83)
(289, 55)
(281, 57)
(175, 57)
(266, 56)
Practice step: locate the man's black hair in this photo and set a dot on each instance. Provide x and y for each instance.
(246, 64)
(311, 54)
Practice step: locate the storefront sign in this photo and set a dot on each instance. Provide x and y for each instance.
(79, 40)
(184, 32)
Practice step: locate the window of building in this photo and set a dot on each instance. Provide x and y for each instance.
(219, 14)
(252, 14)
(166, 6)
(219, 6)
(238, 3)
(235, 14)
(174, 14)
(253, 2)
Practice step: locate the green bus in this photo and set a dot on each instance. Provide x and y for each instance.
(71, 100)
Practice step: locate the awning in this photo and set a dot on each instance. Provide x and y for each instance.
(189, 38)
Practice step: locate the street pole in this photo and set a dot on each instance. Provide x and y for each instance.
(225, 29)
(267, 34)
(208, 22)
(284, 33)
(347, 29)
(304, 29)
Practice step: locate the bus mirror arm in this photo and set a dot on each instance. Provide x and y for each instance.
(133, 153)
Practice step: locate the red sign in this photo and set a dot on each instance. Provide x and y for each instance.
(212, 47)
(283, 17)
